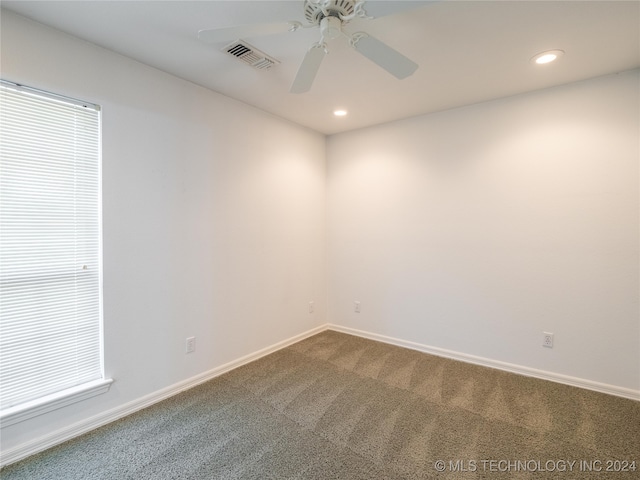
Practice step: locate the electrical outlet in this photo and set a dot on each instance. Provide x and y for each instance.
(356, 307)
(190, 345)
(547, 339)
(311, 307)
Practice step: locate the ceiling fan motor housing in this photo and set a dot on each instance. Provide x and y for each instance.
(316, 10)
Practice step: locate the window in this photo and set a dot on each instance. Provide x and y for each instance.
(50, 252)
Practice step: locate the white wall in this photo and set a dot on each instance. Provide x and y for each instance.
(475, 230)
(213, 219)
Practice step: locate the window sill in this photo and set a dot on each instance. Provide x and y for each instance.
(54, 401)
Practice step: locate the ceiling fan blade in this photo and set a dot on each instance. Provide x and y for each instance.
(226, 34)
(383, 55)
(308, 69)
(376, 9)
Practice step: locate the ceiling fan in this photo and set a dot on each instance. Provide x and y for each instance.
(330, 16)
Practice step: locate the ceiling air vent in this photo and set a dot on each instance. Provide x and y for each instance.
(250, 55)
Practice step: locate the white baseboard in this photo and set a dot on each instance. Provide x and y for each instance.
(487, 362)
(40, 444)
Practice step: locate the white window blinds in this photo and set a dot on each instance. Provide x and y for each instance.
(50, 252)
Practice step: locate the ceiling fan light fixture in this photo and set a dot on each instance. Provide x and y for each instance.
(331, 27)
(547, 57)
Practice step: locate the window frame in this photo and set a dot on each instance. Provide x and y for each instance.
(52, 401)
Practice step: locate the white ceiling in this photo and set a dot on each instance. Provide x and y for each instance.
(468, 52)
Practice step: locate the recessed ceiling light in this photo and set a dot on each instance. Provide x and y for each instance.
(547, 57)
(339, 113)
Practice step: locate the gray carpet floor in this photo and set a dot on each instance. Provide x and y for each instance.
(335, 406)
